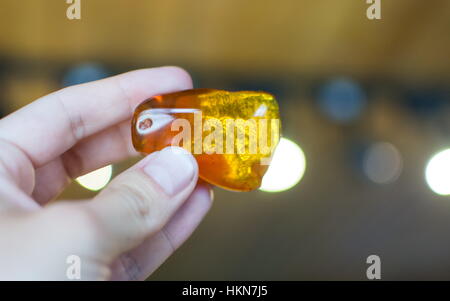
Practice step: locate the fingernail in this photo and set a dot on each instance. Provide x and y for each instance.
(172, 169)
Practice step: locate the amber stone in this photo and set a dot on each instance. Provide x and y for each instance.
(232, 135)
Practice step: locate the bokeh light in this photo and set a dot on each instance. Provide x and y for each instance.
(96, 179)
(83, 73)
(342, 100)
(286, 169)
(437, 172)
(382, 163)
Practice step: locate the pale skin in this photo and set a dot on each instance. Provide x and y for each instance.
(128, 230)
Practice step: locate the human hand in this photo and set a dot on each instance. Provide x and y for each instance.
(127, 230)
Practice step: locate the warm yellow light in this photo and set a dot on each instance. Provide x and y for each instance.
(287, 167)
(437, 173)
(96, 179)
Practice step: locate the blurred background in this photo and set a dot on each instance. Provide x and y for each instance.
(365, 108)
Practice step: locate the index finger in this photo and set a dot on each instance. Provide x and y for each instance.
(51, 125)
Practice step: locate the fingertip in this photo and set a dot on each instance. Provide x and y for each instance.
(141, 84)
(181, 74)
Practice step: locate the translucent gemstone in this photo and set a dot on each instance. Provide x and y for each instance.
(232, 135)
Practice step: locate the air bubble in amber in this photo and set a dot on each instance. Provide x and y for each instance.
(232, 135)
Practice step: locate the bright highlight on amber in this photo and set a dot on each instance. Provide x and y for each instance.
(232, 134)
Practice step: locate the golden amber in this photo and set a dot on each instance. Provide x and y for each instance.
(232, 135)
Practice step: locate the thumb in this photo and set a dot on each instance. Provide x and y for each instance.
(141, 200)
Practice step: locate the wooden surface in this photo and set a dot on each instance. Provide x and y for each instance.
(311, 36)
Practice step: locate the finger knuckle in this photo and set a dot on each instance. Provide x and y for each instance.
(138, 200)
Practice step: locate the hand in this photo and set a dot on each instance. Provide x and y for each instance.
(128, 229)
